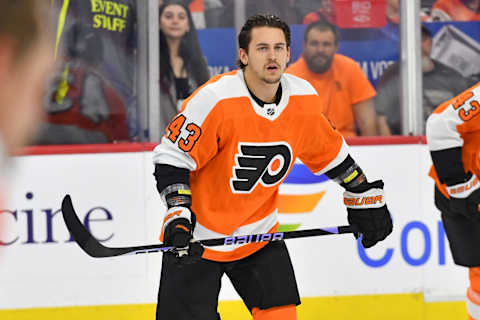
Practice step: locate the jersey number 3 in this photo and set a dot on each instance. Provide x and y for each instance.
(177, 128)
(467, 111)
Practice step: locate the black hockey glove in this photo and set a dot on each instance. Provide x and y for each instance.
(177, 232)
(465, 198)
(367, 210)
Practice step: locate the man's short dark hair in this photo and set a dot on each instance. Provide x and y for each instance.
(260, 20)
(322, 25)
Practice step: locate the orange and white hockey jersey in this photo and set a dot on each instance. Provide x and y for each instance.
(238, 154)
(456, 123)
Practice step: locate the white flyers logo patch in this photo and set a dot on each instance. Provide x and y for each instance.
(267, 163)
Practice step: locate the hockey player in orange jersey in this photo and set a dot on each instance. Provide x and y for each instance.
(453, 136)
(218, 170)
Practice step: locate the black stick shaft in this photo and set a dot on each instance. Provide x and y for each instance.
(95, 249)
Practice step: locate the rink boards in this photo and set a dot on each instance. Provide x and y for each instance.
(114, 193)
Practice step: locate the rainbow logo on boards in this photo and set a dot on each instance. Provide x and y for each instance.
(299, 203)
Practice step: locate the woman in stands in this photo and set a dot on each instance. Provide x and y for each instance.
(183, 67)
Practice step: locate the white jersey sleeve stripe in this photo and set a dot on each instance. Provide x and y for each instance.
(441, 130)
(167, 153)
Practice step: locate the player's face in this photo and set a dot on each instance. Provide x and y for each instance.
(267, 55)
(22, 89)
(319, 49)
(174, 21)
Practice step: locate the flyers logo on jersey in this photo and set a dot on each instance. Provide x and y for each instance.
(265, 163)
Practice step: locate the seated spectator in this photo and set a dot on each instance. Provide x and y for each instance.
(346, 93)
(182, 65)
(426, 7)
(93, 98)
(82, 106)
(325, 12)
(456, 10)
(440, 83)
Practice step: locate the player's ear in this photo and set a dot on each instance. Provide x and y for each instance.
(288, 55)
(243, 55)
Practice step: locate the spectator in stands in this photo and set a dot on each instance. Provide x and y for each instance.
(182, 65)
(325, 12)
(346, 93)
(456, 10)
(426, 7)
(440, 83)
(82, 106)
(93, 99)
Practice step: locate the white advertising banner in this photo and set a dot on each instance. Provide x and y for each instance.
(115, 196)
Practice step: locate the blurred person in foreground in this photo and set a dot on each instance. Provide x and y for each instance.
(183, 67)
(453, 137)
(26, 60)
(346, 94)
(440, 83)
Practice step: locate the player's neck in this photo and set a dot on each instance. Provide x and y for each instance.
(264, 91)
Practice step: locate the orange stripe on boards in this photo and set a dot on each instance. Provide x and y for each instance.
(276, 313)
(290, 203)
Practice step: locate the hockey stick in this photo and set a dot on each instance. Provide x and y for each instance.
(95, 249)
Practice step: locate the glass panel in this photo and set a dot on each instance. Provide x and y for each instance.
(183, 67)
(362, 26)
(92, 97)
(388, 102)
(450, 60)
(368, 34)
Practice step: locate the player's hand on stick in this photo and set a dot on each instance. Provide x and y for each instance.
(368, 211)
(465, 197)
(177, 232)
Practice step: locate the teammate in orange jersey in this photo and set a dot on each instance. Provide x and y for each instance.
(346, 94)
(25, 62)
(218, 170)
(453, 135)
